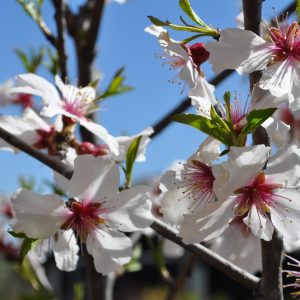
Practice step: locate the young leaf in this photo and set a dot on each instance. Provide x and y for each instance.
(27, 245)
(298, 8)
(187, 8)
(207, 126)
(227, 97)
(131, 157)
(116, 86)
(256, 118)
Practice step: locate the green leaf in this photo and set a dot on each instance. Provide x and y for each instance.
(131, 157)
(157, 21)
(256, 117)
(191, 38)
(226, 98)
(202, 31)
(27, 245)
(21, 54)
(32, 61)
(210, 127)
(298, 8)
(116, 86)
(26, 183)
(187, 8)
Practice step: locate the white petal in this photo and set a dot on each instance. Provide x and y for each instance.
(284, 166)
(207, 223)
(103, 134)
(131, 209)
(174, 205)
(110, 250)
(208, 151)
(242, 249)
(260, 225)
(202, 96)
(155, 30)
(286, 214)
(35, 85)
(38, 216)
(238, 49)
(277, 131)
(277, 78)
(5, 96)
(243, 164)
(264, 99)
(66, 250)
(294, 94)
(94, 178)
(125, 141)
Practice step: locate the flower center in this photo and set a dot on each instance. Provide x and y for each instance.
(84, 217)
(286, 41)
(78, 102)
(197, 184)
(259, 193)
(198, 53)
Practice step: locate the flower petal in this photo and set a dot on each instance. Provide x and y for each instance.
(243, 164)
(284, 166)
(238, 49)
(38, 216)
(94, 178)
(102, 133)
(260, 225)
(66, 250)
(110, 250)
(131, 209)
(125, 141)
(285, 214)
(207, 223)
(202, 96)
(35, 85)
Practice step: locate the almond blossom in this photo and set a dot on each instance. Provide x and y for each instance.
(96, 211)
(71, 101)
(188, 188)
(264, 198)
(279, 58)
(182, 57)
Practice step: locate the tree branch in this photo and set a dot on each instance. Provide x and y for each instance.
(272, 251)
(59, 17)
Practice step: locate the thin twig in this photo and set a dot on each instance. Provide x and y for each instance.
(59, 16)
(272, 251)
(241, 276)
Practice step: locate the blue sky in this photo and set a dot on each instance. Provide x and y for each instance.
(122, 42)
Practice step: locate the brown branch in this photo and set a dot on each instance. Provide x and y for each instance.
(241, 276)
(272, 251)
(59, 17)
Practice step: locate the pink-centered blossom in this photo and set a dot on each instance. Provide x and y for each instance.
(279, 58)
(182, 57)
(70, 101)
(189, 188)
(266, 199)
(96, 212)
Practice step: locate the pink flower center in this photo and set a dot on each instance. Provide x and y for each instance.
(259, 193)
(77, 103)
(197, 184)
(286, 41)
(84, 217)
